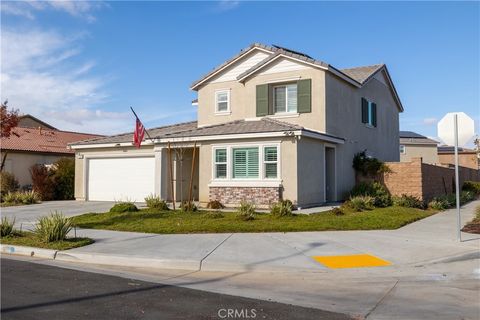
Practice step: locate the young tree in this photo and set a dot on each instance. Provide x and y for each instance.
(8, 121)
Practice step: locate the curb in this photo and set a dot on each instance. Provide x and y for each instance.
(128, 261)
(28, 251)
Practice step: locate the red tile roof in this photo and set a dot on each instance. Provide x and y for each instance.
(36, 140)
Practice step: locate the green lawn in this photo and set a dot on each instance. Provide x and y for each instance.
(152, 221)
(29, 239)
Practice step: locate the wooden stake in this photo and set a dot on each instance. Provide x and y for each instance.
(190, 200)
(170, 174)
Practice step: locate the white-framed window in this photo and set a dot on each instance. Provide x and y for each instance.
(222, 101)
(246, 162)
(270, 162)
(285, 98)
(369, 113)
(220, 163)
(402, 149)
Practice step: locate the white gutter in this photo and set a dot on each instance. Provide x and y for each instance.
(287, 133)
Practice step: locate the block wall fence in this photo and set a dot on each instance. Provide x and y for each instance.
(423, 180)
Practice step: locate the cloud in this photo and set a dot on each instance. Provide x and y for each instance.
(38, 77)
(27, 9)
(430, 121)
(226, 5)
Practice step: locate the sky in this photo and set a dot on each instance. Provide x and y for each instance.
(81, 65)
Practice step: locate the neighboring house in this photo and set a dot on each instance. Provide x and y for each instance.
(414, 145)
(34, 142)
(466, 157)
(272, 124)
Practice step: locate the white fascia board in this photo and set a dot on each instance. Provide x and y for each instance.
(225, 137)
(319, 136)
(227, 65)
(107, 145)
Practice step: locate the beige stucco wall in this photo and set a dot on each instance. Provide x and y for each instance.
(288, 166)
(344, 119)
(310, 172)
(243, 99)
(19, 164)
(428, 153)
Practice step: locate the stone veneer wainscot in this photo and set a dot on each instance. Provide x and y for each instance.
(232, 196)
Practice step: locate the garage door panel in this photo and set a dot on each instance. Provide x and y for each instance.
(112, 179)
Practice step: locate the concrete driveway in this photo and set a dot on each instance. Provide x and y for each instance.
(28, 215)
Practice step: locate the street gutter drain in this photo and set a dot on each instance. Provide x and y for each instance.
(351, 261)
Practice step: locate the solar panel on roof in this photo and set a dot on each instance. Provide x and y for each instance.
(292, 51)
(410, 134)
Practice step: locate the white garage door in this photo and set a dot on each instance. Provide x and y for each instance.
(118, 179)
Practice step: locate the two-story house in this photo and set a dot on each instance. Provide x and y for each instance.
(272, 124)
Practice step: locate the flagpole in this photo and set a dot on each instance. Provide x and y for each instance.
(146, 131)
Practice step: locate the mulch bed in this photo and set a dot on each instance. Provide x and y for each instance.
(472, 227)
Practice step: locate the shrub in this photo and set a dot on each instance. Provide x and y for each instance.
(381, 196)
(8, 183)
(188, 206)
(42, 181)
(215, 204)
(360, 203)
(22, 197)
(246, 211)
(154, 202)
(124, 206)
(282, 209)
(368, 166)
(214, 215)
(438, 204)
(409, 202)
(472, 186)
(6, 226)
(466, 196)
(338, 211)
(63, 177)
(54, 227)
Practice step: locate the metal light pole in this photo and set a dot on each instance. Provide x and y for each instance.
(457, 183)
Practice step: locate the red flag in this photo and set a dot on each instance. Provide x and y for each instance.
(138, 134)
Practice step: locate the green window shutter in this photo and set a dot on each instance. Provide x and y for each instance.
(262, 100)
(374, 114)
(304, 96)
(364, 110)
(245, 163)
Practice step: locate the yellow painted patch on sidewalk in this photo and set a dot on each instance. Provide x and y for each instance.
(351, 261)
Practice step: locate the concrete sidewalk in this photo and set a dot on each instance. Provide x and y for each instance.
(424, 241)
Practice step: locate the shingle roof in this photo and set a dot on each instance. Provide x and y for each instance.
(407, 137)
(362, 74)
(237, 127)
(158, 132)
(44, 140)
(190, 129)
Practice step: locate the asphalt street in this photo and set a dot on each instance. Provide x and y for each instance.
(35, 291)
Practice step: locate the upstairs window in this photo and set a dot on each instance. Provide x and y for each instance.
(222, 101)
(285, 98)
(369, 113)
(402, 149)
